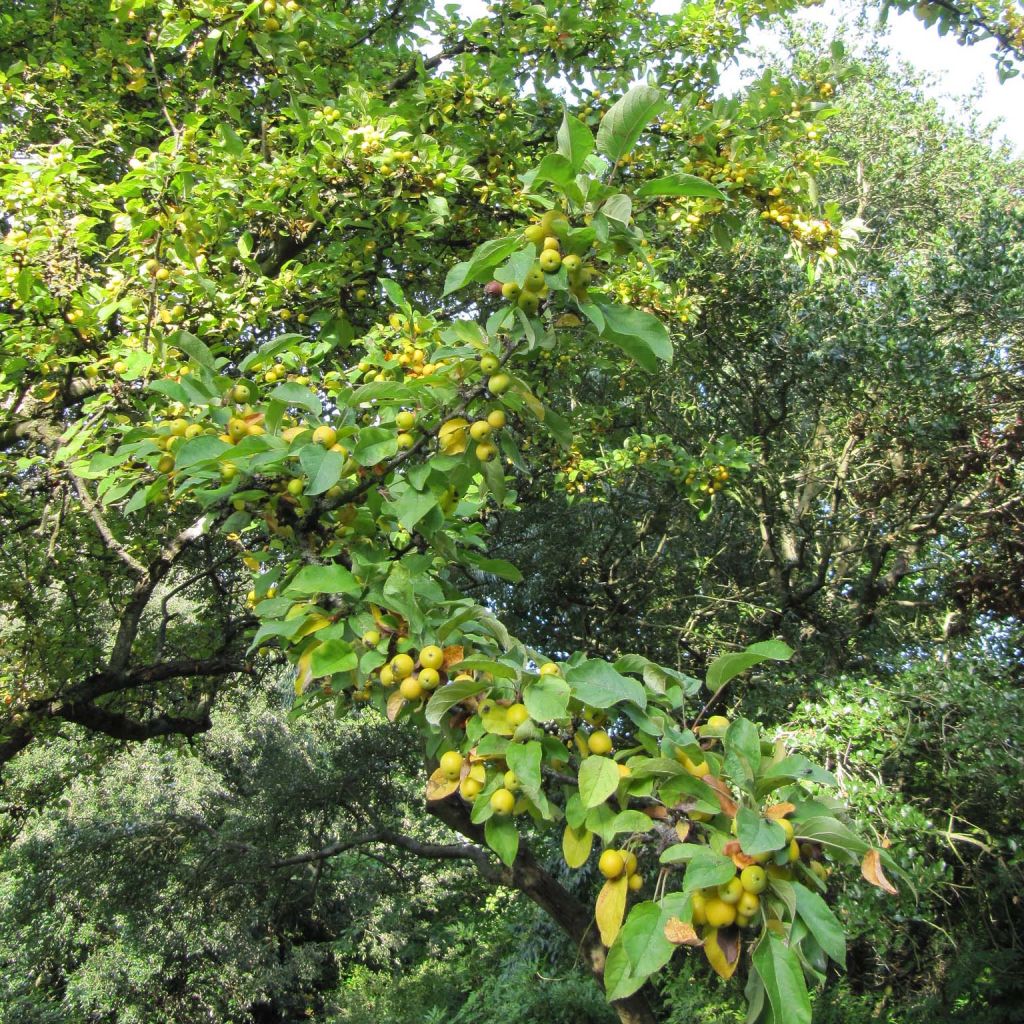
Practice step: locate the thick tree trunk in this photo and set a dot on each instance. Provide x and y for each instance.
(573, 917)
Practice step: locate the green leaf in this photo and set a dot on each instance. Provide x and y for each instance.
(230, 140)
(743, 748)
(632, 822)
(324, 579)
(554, 168)
(830, 832)
(821, 923)
(502, 838)
(575, 141)
(394, 292)
(619, 980)
(598, 779)
(193, 348)
(322, 468)
(444, 699)
(640, 335)
(495, 566)
(299, 395)
(375, 445)
(757, 834)
(728, 666)
(643, 938)
(681, 185)
(199, 449)
(783, 979)
(795, 768)
(597, 684)
(707, 868)
(333, 656)
(410, 506)
(524, 759)
(626, 120)
(484, 259)
(547, 698)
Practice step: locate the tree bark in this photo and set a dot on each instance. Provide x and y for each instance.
(572, 916)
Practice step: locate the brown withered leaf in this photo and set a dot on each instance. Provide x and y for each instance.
(656, 811)
(739, 858)
(777, 811)
(453, 655)
(611, 906)
(871, 869)
(681, 933)
(725, 800)
(439, 786)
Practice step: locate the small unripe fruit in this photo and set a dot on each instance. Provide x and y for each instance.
(371, 637)
(510, 290)
(502, 801)
(296, 487)
(480, 430)
(166, 464)
(517, 715)
(432, 657)
(429, 678)
(549, 669)
(405, 420)
(326, 436)
(787, 827)
(731, 891)
(551, 244)
(629, 858)
(499, 383)
(599, 742)
(572, 263)
(534, 280)
(402, 666)
(611, 864)
(451, 764)
(387, 677)
(719, 914)
(470, 788)
(549, 261)
(529, 303)
(496, 419)
(753, 879)
(489, 363)
(635, 883)
(410, 688)
(512, 784)
(486, 451)
(405, 441)
(748, 904)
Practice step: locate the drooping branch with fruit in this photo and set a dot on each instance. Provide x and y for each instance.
(353, 489)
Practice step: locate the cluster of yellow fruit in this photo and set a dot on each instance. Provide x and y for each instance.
(547, 235)
(414, 677)
(613, 864)
(454, 435)
(715, 481)
(737, 901)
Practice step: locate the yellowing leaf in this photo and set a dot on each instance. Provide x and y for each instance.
(682, 830)
(871, 869)
(725, 800)
(395, 704)
(576, 845)
(611, 906)
(536, 406)
(681, 933)
(724, 961)
(304, 673)
(311, 625)
(439, 786)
